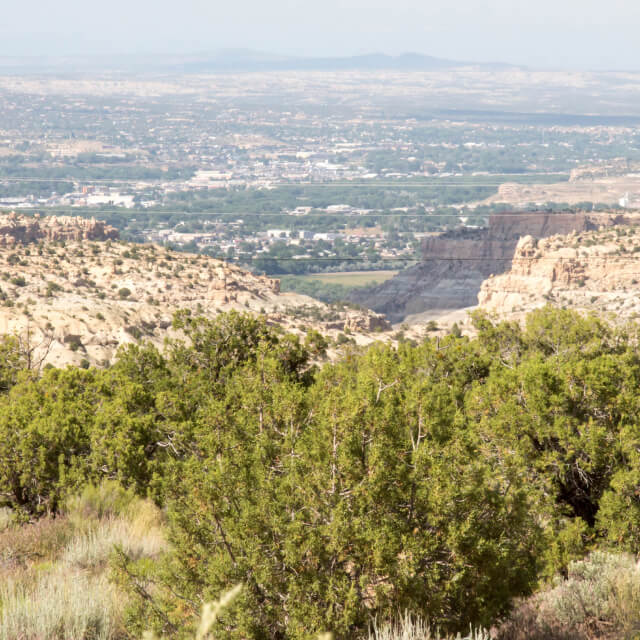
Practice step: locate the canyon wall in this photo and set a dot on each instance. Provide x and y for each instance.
(455, 263)
(593, 271)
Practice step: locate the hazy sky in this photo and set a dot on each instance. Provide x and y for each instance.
(541, 33)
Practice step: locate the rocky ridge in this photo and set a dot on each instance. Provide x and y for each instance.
(593, 271)
(77, 300)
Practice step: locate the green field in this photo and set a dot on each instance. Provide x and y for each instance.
(352, 278)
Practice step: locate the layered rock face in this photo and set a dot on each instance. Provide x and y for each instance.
(595, 271)
(19, 229)
(456, 263)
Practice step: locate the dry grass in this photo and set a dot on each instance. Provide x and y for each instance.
(92, 548)
(600, 598)
(54, 574)
(106, 517)
(60, 605)
(6, 518)
(107, 500)
(414, 628)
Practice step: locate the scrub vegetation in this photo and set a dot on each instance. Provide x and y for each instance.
(445, 487)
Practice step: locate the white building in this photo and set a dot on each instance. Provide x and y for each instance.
(278, 233)
(113, 199)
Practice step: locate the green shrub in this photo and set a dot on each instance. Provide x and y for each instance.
(134, 331)
(74, 342)
(52, 287)
(75, 426)
(12, 361)
(384, 517)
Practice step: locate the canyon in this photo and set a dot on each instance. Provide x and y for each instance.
(456, 263)
(73, 293)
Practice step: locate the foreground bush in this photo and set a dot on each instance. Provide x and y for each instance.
(444, 479)
(338, 499)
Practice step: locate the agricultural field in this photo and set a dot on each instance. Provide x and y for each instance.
(333, 287)
(352, 278)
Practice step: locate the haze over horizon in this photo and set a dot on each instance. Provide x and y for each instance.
(575, 34)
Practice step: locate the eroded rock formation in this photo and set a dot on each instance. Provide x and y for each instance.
(19, 229)
(595, 270)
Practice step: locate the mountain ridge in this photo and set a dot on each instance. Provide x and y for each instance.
(244, 61)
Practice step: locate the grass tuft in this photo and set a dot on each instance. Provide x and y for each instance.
(107, 500)
(409, 627)
(91, 549)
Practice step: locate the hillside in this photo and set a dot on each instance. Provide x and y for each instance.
(75, 292)
(247, 61)
(592, 270)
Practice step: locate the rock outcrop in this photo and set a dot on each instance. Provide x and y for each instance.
(358, 322)
(455, 263)
(20, 229)
(595, 270)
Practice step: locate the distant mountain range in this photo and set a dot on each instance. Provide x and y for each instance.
(244, 60)
(239, 61)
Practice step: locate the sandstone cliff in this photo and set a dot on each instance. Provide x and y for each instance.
(595, 270)
(456, 263)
